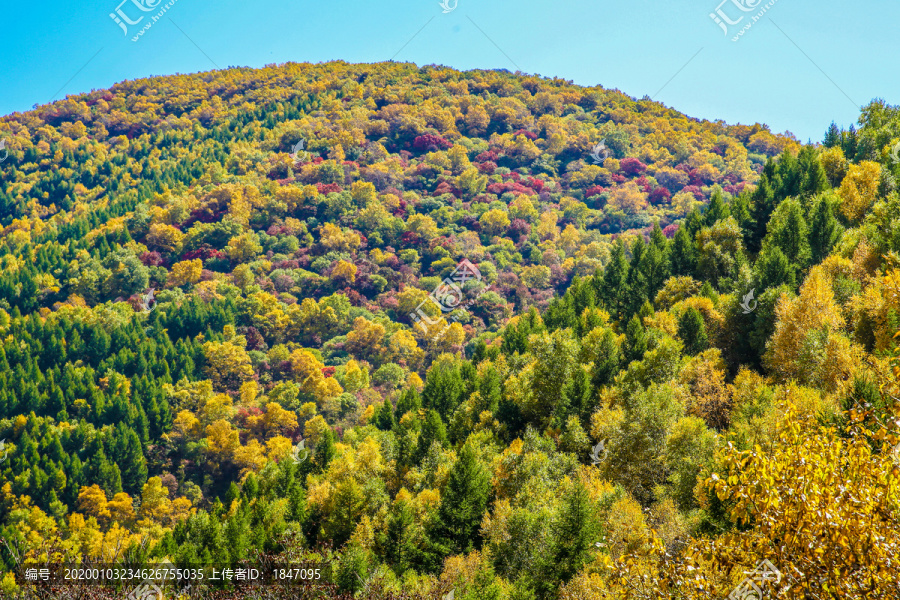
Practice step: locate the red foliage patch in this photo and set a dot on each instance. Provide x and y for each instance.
(488, 156)
(429, 142)
(632, 166)
(487, 167)
(594, 190)
(660, 195)
(151, 259)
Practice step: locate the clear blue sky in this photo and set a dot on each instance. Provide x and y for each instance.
(802, 65)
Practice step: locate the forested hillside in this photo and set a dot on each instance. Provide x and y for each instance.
(669, 350)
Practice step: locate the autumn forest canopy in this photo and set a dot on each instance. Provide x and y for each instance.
(679, 356)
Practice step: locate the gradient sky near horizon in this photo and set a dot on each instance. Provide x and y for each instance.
(802, 65)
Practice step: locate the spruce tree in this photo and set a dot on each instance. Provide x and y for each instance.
(684, 253)
(615, 277)
(574, 533)
(489, 389)
(457, 524)
(409, 401)
(325, 450)
(384, 416)
(773, 269)
(790, 176)
(717, 210)
(607, 362)
(692, 331)
(654, 264)
(814, 178)
(635, 340)
(849, 144)
(637, 284)
(832, 136)
(443, 387)
(433, 430)
(787, 229)
(397, 541)
(762, 205)
(824, 229)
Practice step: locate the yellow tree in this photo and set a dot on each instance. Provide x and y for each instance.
(185, 272)
(121, 509)
(628, 198)
(228, 364)
(244, 247)
(807, 345)
(221, 441)
(344, 273)
(165, 237)
(92, 502)
(822, 505)
(494, 222)
(155, 504)
(859, 189)
(366, 339)
(307, 371)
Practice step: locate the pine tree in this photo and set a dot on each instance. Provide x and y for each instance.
(787, 229)
(832, 136)
(717, 210)
(607, 362)
(397, 541)
(692, 331)
(814, 178)
(773, 269)
(443, 387)
(824, 229)
(384, 416)
(433, 430)
(762, 203)
(684, 253)
(615, 289)
(635, 340)
(463, 502)
(574, 533)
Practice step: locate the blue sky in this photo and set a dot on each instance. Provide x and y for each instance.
(800, 66)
